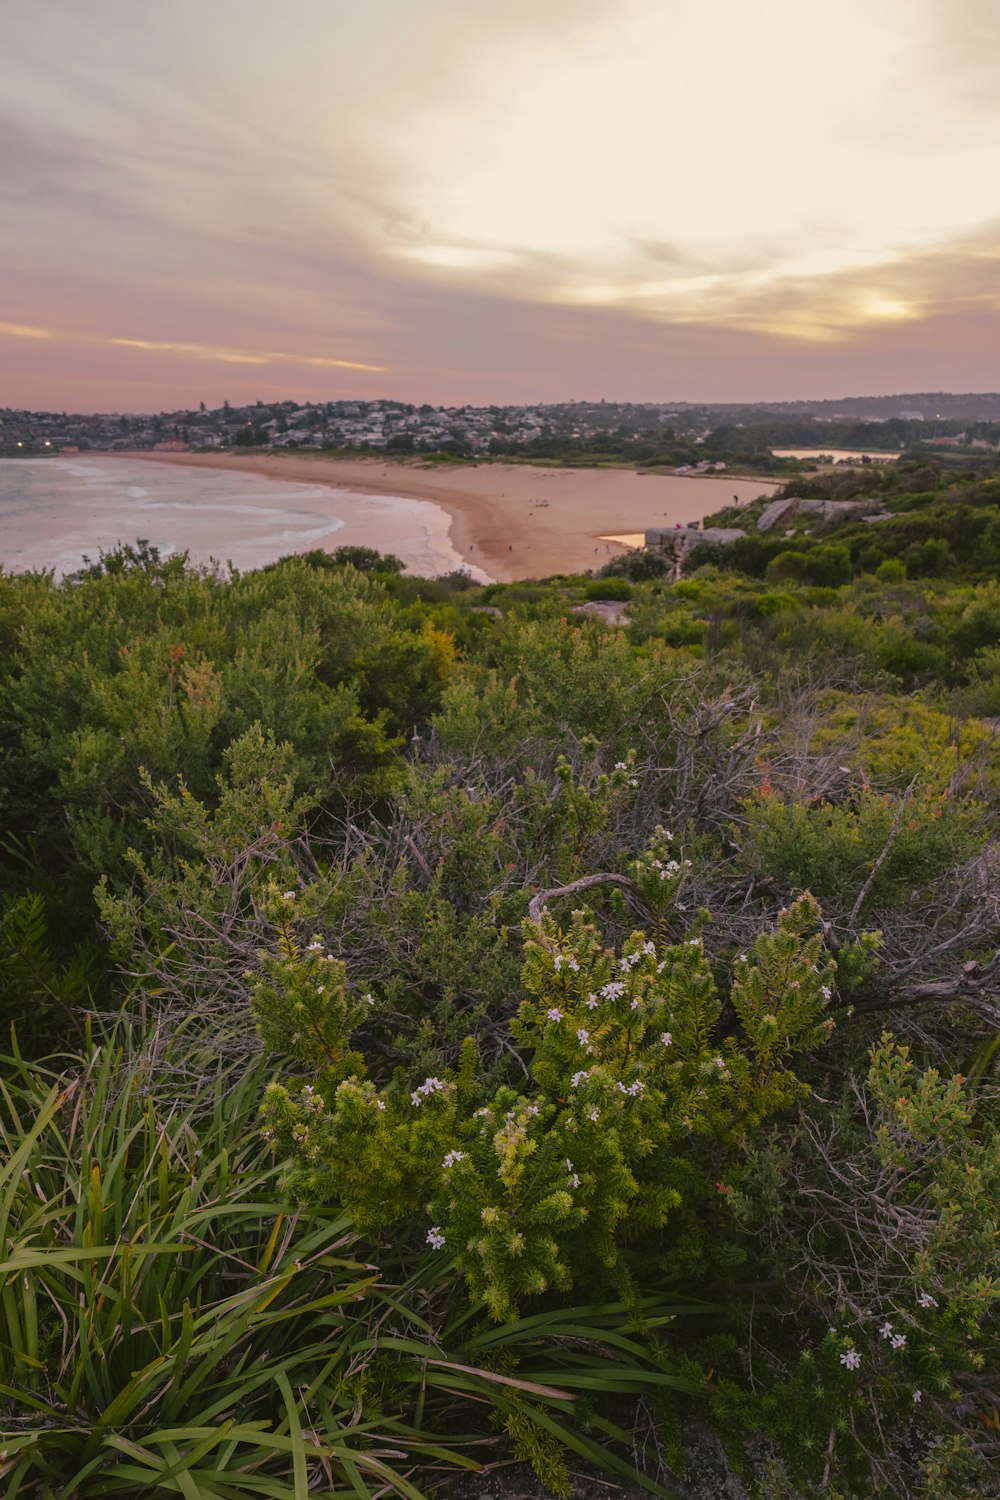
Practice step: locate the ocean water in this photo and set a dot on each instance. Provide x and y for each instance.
(54, 512)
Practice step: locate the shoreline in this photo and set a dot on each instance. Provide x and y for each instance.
(513, 521)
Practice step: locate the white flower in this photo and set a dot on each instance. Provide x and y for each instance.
(435, 1238)
(825, 991)
(452, 1158)
(613, 990)
(571, 963)
(632, 781)
(370, 999)
(592, 1002)
(594, 1115)
(661, 966)
(481, 1114)
(313, 947)
(554, 1013)
(693, 943)
(558, 961)
(666, 1038)
(288, 895)
(741, 958)
(886, 1331)
(634, 1005)
(851, 1359)
(579, 1078)
(719, 1062)
(569, 1165)
(380, 1104)
(429, 1086)
(649, 947)
(621, 765)
(320, 988)
(574, 1181)
(898, 1340)
(917, 1397)
(926, 1300)
(582, 1036)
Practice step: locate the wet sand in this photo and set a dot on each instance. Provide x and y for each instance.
(510, 520)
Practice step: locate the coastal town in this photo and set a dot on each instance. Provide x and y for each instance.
(698, 438)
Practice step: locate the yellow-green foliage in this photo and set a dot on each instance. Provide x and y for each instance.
(893, 739)
(636, 1110)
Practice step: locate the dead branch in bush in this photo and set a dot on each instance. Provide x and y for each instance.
(539, 900)
(974, 986)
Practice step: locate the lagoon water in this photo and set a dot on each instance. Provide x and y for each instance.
(56, 511)
(839, 455)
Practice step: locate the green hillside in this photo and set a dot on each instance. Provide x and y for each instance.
(444, 1027)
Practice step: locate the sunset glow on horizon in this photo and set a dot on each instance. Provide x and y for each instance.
(664, 199)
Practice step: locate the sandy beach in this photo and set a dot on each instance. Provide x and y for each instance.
(509, 520)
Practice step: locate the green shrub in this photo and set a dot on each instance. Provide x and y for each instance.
(929, 559)
(638, 567)
(635, 1104)
(884, 849)
(609, 587)
(879, 1218)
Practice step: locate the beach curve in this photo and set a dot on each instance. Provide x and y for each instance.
(513, 521)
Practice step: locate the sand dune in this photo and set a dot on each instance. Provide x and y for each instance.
(512, 521)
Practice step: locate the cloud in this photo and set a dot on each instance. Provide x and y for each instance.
(46, 167)
(681, 162)
(959, 49)
(22, 331)
(514, 197)
(242, 356)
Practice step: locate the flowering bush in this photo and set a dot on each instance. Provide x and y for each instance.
(878, 1215)
(628, 1127)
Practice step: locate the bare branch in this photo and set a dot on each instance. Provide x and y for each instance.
(539, 900)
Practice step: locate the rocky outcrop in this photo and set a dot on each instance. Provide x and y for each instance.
(675, 542)
(827, 510)
(611, 611)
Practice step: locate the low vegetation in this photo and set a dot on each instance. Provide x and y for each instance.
(444, 1030)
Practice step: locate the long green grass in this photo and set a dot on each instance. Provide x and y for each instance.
(166, 1328)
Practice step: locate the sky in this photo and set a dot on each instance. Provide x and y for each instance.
(496, 200)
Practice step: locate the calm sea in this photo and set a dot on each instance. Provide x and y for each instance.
(56, 511)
